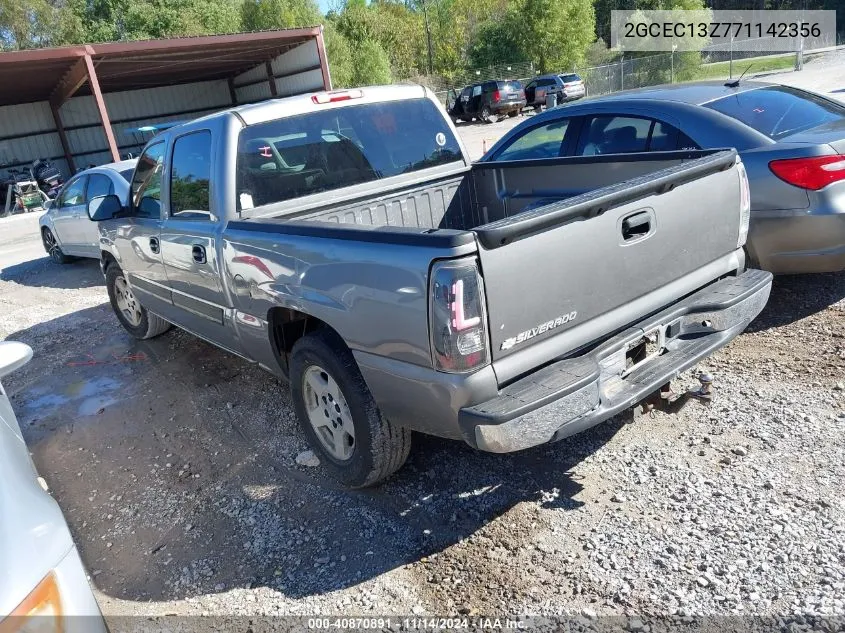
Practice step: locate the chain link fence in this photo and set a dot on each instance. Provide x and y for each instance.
(714, 62)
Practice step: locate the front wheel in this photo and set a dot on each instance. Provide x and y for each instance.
(51, 245)
(134, 317)
(356, 443)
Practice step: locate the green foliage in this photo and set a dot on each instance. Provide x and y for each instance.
(340, 57)
(25, 23)
(260, 15)
(371, 64)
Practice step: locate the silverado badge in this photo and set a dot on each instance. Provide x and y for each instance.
(540, 329)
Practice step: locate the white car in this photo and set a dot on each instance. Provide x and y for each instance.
(66, 230)
(43, 585)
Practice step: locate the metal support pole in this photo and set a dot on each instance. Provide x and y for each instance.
(60, 128)
(101, 107)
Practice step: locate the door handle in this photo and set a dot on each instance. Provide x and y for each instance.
(198, 253)
(154, 244)
(636, 226)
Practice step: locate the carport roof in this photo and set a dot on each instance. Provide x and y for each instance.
(42, 74)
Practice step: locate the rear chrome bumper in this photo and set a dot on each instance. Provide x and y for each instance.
(572, 395)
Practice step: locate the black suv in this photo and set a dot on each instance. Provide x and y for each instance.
(487, 101)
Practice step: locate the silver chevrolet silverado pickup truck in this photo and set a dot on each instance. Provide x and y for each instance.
(344, 242)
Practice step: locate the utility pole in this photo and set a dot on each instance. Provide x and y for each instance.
(428, 38)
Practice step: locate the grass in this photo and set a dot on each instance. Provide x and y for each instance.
(721, 70)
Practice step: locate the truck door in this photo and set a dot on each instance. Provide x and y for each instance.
(189, 238)
(137, 239)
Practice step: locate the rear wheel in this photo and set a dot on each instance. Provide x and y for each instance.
(486, 115)
(51, 245)
(356, 443)
(513, 113)
(135, 318)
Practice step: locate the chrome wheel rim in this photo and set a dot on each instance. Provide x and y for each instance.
(126, 302)
(328, 412)
(51, 245)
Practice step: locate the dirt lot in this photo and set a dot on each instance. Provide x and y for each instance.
(175, 465)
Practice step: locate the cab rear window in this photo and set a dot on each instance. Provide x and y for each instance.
(340, 147)
(778, 111)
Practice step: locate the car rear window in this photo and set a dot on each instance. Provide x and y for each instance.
(570, 78)
(340, 147)
(514, 86)
(778, 111)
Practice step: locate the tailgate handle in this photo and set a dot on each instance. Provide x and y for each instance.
(636, 226)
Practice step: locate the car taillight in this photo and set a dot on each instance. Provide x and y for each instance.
(496, 96)
(41, 610)
(457, 317)
(744, 203)
(815, 172)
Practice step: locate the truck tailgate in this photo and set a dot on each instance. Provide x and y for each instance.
(618, 253)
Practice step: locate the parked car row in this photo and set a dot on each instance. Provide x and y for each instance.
(488, 101)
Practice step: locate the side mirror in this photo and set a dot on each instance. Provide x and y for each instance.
(13, 355)
(104, 207)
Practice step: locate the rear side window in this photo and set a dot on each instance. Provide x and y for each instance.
(335, 148)
(614, 135)
(778, 111)
(190, 175)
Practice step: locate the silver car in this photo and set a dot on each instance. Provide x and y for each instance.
(42, 580)
(792, 143)
(66, 230)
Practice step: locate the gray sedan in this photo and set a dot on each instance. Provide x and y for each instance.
(66, 230)
(791, 141)
(43, 581)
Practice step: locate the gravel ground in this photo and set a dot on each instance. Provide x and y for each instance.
(176, 466)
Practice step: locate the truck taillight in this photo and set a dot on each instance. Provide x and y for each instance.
(496, 96)
(815, 172)
(337, 95)
(457, 318)
(744, 203)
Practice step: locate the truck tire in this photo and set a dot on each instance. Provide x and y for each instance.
(51, 245)
(486, 116)
(513, 113)
(135, 318)
(356, 443)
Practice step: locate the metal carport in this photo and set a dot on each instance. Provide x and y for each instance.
(74, 104)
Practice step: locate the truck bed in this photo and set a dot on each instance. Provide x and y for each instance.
(492, 192)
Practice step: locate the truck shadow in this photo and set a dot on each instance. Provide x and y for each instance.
(45, 273)
(174, 464)
(795, 297)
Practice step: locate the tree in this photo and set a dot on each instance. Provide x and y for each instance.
(371, 64)
(556, 34)
(260, 15)
(25, 24)
(340, 57)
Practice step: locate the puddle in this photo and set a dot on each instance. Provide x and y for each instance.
(92, 395)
